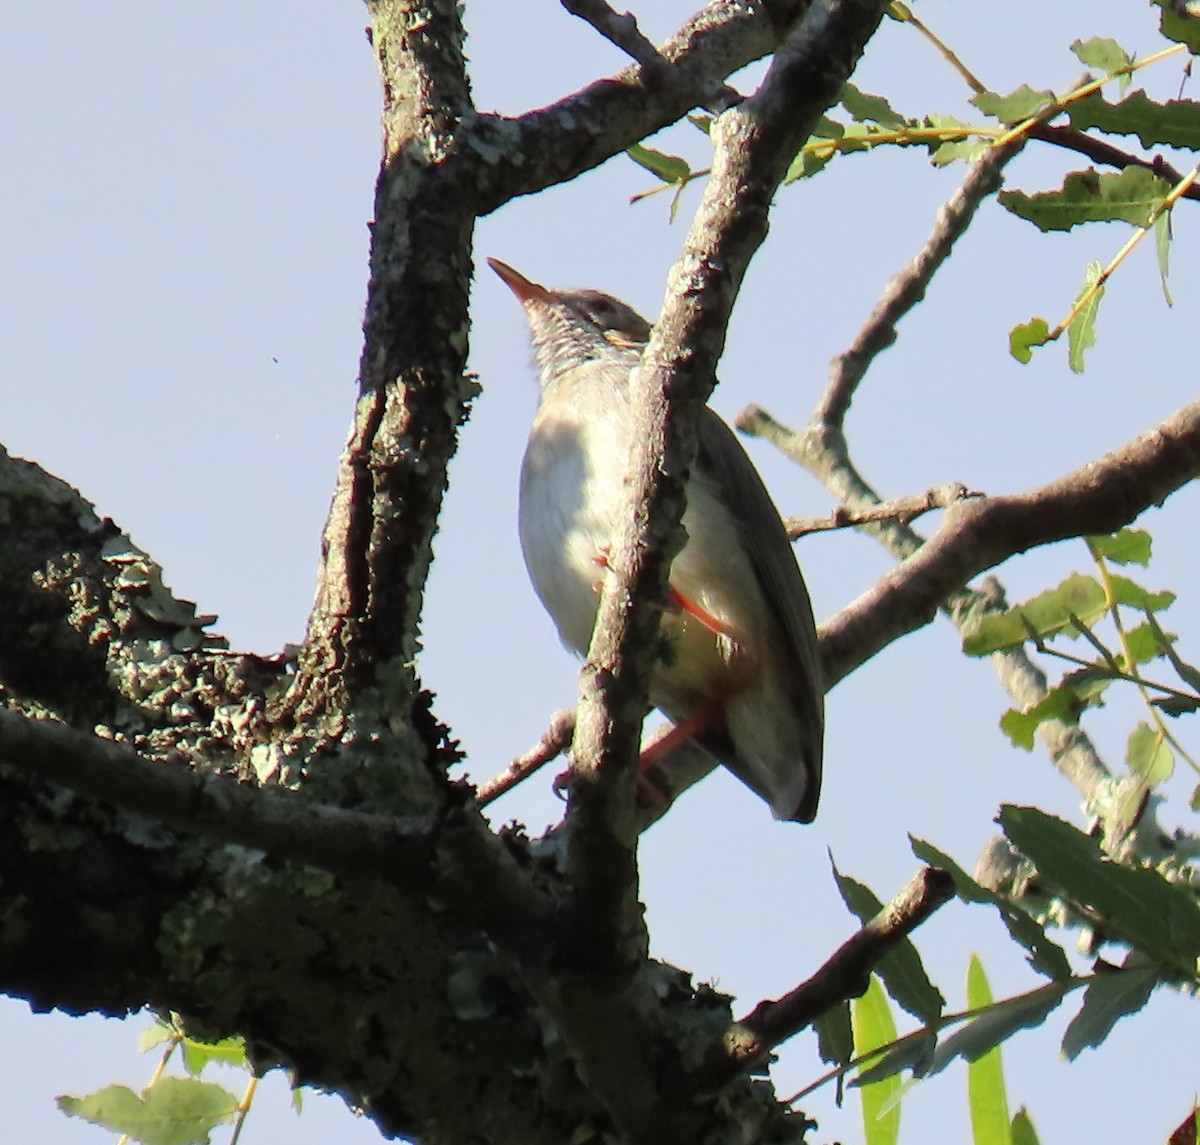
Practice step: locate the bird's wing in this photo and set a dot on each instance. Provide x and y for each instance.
(737, 483)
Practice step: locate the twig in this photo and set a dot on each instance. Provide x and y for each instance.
(908, 287)
(621, 29)
(843, 976)
(552, 744)
(902, 509)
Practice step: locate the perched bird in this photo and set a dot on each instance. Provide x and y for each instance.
(741, 674)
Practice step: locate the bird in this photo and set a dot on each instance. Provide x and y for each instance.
(741, 671)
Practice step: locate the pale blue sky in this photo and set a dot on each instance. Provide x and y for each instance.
(184, 245)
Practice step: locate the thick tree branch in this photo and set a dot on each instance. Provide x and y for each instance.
(555, 144)
(413, 393)
(976, 535)
(361, 845)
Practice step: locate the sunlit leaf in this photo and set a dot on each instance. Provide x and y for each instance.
(1023, 339)
(868, 108)
(1048, 612)
(1102, 53)
(1081, 331)
(668, 168)
(985, 1075)
(1018, 105)
(227, 1051)
(1148, 755)
(874, 1027)
(1065, 702)
(172, 1111)
(1126, 547)
(1126, 591)
(1162, 249)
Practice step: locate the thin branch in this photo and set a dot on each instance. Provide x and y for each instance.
(622, 30)
(907, 288)
(902, 509)
(1100, 151)
(553, 743)
(843, 976)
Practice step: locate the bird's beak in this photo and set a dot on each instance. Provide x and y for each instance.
(525, 290)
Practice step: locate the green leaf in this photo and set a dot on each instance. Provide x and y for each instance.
(1110, 995)
(1044, 955)
(1141, 906)
(868, 108)
(874, 1027)
(1175, 123)
(1126, 547)
(1048, 612)
(1023, 1132)
(668, 168)
(914, 1052)
(1081, 332)
(901, 968)
(1024, 338)
(985, 1075)
(983, 1033)
(835, 1041)
(227, 1051)
(1065, 702)
(1162, 248)
(155, 1034)
(1147, 755)
(1130, 196)
(1126, 591)
(1024, 103)
(1182, 27)
(1106, 55)
(1144, 644)
(172, 1111)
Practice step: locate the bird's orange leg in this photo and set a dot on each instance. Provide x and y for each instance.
(702, 718)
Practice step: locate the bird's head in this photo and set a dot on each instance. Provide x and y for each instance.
(571, 327)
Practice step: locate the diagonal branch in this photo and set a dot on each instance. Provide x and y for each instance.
(1099, 497)
(554, 144)
(907, 288)
(842, 977)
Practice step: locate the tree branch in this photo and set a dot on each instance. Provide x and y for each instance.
(907, 288)
(555, 144)
(399, 852)
(975, 535)
(843, 976)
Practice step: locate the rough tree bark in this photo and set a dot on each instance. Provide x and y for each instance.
(272, 847)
